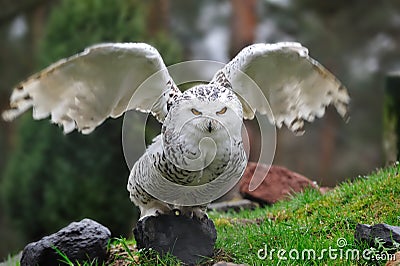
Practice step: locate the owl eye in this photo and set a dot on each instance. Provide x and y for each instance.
(195, 112)
(222, 111)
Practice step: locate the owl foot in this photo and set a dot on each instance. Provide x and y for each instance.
(197, 212)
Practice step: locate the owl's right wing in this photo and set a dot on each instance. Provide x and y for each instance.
(82, 91)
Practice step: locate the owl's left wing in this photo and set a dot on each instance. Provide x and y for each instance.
(82, 91)
(295, 85)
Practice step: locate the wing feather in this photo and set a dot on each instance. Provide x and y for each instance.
(295, 85)
(82, 91)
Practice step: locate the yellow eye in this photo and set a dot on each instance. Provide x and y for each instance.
(222, 111)
(195, 112)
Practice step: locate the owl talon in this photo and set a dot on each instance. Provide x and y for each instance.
(200, 214)
(205, 217)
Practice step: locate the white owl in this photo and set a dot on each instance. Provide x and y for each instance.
(200, 143)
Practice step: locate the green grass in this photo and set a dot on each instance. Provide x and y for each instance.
(309, 221)
(312, 221)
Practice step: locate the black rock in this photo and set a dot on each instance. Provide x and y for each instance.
(367, 233)
(362, 233)
(190, 240)
(79, 241)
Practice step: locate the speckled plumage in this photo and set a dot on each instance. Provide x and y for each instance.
(176, 154)
(200, 147)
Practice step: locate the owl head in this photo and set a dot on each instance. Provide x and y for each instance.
(205, 110)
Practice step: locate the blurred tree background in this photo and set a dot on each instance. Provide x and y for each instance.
(48, 179)
(52, 179)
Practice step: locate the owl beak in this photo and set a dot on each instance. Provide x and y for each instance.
(209, 126)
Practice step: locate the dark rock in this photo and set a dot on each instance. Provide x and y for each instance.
(368, 234)
(362, 233)
(190, 240)
(278, 183)
(79, 241)
(235, 205)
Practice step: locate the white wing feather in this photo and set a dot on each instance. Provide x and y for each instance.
(82, 91)
(296, 86)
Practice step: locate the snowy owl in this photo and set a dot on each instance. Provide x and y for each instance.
(200, 140)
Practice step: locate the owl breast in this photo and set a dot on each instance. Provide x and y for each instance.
(196, 159)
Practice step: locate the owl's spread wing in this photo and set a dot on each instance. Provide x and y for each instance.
(296, 86)
(82, 91)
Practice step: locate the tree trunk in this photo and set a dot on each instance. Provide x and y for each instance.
(391, 118)
(243, 25)
(327, 144)
(157, 17)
